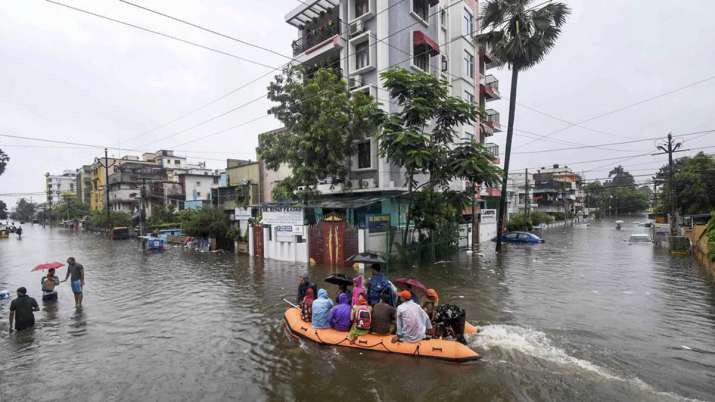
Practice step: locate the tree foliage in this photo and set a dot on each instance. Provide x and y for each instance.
(204, 222)
(619, 194)
(4, 159)
(322, 123)
(24, 211)
(3, 210)
(98, 219)
(694, 181)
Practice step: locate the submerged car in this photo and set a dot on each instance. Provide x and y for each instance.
(521, 237)
(639, 238)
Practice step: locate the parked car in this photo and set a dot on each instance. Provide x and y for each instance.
(521, 237)
(120, 233)
(639, 238)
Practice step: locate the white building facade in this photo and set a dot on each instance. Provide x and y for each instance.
(57, 185)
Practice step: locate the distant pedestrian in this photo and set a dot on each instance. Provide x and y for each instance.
(75, 272)
(49, 286)
(19, 232)
(21, 310)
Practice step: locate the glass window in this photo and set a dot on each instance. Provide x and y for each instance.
(468, 96)
(468, 23)
(198, 184)
(198, 193)
(421, 58)
(469, 64)
(176, 161)
(364, 155)
(362, 55)
(443, 18)
(361, 7)
(421, 8)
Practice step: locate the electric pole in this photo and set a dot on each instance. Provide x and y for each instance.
(670, 148)
(526, 193)
(106, 167)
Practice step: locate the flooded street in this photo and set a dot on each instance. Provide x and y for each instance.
(584, 316)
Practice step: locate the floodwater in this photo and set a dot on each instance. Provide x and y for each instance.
(582, 317)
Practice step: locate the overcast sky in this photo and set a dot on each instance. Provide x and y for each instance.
(74, 77)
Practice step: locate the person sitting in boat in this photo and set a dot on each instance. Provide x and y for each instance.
(305, 283)
(378, 284)
(415, 298)
(49, 284)
(449, 322)
(361, 316)
(383, 316)
(321, 310)
(430, 304)
(339, 317)
(412, 322)
(306, 306)
(358, 290)
(342, 290)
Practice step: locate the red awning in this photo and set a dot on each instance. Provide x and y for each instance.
(421, 39)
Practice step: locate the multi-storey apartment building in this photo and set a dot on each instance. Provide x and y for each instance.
(362, 38)
(57, 185)
(558, 189)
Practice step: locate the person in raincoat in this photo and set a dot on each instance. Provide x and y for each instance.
(377, 285)
(358, 289)
(321, 310)
(304, 285)
(339, 317)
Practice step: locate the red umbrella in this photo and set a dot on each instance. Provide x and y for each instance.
(403, 282)
(48, 265)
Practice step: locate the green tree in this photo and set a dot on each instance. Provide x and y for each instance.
(618, 177)
(162, 215)
(69, 208)
(3, 210)
(4, 159)
(419, 138)
(204, 222)
(24, 211)
(694, 182)
(98, 219)
(520, 37)
(323, 121)
(472, 162)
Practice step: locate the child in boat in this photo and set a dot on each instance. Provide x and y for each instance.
(361, 316)
(339, 317)
(306, 306)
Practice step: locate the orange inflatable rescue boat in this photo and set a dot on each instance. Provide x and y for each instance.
(435, 348)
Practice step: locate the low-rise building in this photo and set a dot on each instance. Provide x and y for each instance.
(57, 185)
(558, 189)
(197, 188)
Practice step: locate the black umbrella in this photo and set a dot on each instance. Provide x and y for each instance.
(339, 279)
(367, 258)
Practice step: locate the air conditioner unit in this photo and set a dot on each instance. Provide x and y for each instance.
(367, 183)
(357, 28)
(356, 81)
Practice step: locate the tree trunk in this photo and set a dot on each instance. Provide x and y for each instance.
(408, 212)
(475, 229)
(507, 154)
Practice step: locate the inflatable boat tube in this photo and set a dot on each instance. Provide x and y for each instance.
(435, 348)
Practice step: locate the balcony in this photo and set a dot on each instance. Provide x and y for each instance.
(489, 87)
(492, 120)
(320, 26)
(314, 36)
(493, 150)
(489, 60)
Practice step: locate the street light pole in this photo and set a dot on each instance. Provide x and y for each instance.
(670, 147)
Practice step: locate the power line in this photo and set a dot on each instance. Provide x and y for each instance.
(176, 38)
(625, 107)
(612, 143)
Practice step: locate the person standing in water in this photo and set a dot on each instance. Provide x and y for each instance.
(49, 284)
(21, 310)
(75, 272)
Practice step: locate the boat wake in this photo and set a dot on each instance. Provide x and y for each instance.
(536, 344)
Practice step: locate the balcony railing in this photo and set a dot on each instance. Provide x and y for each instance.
(313, 36)
(489, 87)
(492, 120)
(493, 149)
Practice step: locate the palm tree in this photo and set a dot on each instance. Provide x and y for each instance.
(519, 36)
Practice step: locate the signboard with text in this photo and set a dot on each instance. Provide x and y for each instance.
(378, 223)
(282, 216)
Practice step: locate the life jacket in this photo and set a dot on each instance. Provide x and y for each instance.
(363, 317)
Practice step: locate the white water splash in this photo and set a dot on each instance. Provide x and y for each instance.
(536, 344)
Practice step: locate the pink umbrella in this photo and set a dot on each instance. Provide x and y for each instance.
(403, 282)
(48, 265)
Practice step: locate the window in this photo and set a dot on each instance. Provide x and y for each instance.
(198, 184)
(421, 9)
(362, 7)
(176, 162)
(443, 18)
(364, 155)
(421, 58)
(198, 193)
(362, 55)
(469, 64)
(468, 23)
(445, 64)
(468, 96)
(215, 179)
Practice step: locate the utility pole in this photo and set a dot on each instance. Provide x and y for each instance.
(106, 167)
(526, 193)
(670, 147)
(142, 213)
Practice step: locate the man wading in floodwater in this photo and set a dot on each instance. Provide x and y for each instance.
(75, 272)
